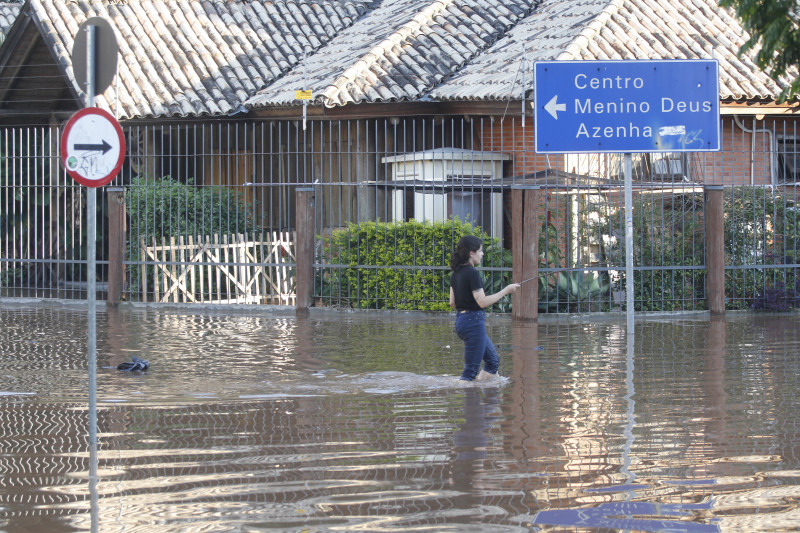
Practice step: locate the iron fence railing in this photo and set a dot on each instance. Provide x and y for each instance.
(376, 181)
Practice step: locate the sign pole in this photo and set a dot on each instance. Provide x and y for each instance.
(93, 150)
(626, 107)
(629, 283)
(91, 292)
(91, 275)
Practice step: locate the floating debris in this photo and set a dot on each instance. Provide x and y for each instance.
(135, 365)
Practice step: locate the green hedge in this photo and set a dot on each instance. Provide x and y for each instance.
(378, 254)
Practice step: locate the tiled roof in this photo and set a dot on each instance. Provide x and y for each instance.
(497, 73)
(616, 29)
(8, 14)
(683, 29)
(195, 57)
(211, 57)
(399, 51)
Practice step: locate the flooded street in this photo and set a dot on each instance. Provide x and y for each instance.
(258, 420)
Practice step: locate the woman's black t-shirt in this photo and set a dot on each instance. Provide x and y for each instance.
(463, 281)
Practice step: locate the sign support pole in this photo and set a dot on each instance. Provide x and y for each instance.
(91, 292)
(625, 107)
(93, 150)
(629, 283)
(629, 329)
(91, 274)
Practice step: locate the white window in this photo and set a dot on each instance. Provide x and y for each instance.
(473, 207)
(667, 167)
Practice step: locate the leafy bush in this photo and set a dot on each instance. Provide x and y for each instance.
(571, 291)
(378, 255)
(760, 228)
(777, 297)
(668, 232)
(169, 208)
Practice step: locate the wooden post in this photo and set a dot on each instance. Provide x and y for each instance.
(715, 248)
(116, 243)
(304, 248)
(525, 251)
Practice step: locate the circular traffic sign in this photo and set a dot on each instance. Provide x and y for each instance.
(92, 147)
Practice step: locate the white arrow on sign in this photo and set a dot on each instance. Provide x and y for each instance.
(553, 107)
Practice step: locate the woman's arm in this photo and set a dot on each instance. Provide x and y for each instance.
(452, 298)
(485, 301)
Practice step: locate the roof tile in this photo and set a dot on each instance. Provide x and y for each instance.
(197, 57)
(413, 36)
(219, 52)
(616, 29)
(8, 14)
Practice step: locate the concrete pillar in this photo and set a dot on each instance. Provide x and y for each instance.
(525, 251)
(715, 248)
(116, 243)
(304, 248)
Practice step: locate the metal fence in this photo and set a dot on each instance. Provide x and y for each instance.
(211, 206)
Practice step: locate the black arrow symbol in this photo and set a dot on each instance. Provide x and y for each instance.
(105, 147)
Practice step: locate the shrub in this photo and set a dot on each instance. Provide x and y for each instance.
(382, 261)
(667, 232)
(759, 230)
(571, 291)
(41, 207)
(776, 297)
(169, 208)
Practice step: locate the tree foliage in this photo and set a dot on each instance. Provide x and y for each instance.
(774, 27)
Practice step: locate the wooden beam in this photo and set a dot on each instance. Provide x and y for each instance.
(715, 248)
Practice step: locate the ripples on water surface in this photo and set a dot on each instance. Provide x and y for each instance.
(256, 421)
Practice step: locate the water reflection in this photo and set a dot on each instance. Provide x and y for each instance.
(263, 421)
(638, 516)
(713, 380)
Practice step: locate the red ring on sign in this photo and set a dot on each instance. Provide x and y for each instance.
(65, 153)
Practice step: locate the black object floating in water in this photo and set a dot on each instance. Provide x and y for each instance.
(134, 365)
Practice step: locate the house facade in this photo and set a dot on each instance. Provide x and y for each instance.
(264, 97)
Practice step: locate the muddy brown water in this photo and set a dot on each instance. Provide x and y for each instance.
(258, 420)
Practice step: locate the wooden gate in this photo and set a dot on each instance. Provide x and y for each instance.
(210, 269)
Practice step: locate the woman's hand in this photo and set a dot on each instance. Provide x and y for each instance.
(485, 301)
(511, 288)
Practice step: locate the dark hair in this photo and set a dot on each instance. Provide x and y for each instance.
(467, 244)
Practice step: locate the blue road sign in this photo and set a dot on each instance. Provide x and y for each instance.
(627, 106)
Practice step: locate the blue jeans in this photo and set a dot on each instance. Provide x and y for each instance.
(471, 328)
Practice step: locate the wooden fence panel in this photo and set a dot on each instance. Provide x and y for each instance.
(220, 269)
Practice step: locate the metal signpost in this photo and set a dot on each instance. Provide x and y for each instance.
(625, 107)
(92, 150)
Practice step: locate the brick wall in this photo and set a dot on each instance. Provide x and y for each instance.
(746, 157)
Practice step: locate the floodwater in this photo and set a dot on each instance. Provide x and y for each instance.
(258, 420)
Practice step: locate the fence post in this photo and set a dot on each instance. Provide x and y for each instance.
(525, 251)
(304, 248)
(116, 243)
(715, 248)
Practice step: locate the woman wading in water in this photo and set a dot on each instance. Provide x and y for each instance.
(468, 298)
